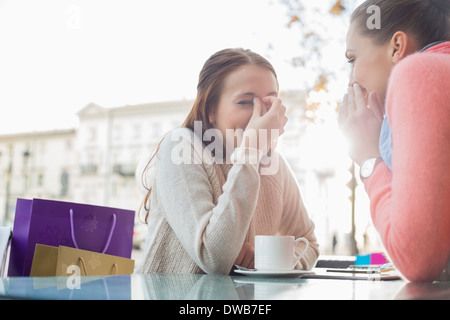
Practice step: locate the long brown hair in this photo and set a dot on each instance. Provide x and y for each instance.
(209, 89)
(427, 20)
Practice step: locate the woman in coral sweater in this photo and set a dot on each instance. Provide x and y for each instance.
(396, 115)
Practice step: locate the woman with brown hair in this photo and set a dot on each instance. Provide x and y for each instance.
(396, 115)
(206, 200)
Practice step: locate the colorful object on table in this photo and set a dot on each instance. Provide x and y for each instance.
(378, 258)
(386, 268)
(371, 259)
(362, 260)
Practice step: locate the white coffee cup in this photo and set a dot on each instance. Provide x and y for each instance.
(277, 253)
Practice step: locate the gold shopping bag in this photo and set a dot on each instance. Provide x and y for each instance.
(51, 261)
(44, 261)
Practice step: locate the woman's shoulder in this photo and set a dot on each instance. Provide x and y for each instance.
(417, 76)
(181, 145)
(422, 67)
(419, 82)
(178, 137)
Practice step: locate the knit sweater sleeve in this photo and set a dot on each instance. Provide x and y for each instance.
(212, 234)
(410, 207)
(295, 218)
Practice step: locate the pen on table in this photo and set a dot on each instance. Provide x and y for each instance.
(364, 266)
(352, 271)
(386, 267)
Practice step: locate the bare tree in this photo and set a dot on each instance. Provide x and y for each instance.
(321, 29)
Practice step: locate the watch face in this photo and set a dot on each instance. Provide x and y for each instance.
(367, 167)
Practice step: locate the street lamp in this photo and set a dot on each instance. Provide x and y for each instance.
(8, 182)
(26, 155)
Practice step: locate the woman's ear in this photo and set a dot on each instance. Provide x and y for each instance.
(398, 47)
(211, 118)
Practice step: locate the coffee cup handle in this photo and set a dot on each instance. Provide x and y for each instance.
(304, 251)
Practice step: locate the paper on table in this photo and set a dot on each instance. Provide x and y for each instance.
(5, 239)
(319, 273)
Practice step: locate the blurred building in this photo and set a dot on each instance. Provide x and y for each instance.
(38, 164)
(96, 163)
(110, 143)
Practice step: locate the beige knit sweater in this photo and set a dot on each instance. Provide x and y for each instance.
(202, 212)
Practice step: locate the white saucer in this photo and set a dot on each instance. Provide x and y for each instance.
(268, 273)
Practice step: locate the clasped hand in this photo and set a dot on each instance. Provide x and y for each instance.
(360, 121)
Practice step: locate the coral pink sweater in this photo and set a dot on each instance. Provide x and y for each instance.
(410, 206)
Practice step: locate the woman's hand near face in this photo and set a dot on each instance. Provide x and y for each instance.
(263, 124)
(360, 122)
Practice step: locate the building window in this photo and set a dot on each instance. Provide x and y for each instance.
(64, 183)
(136, 131)
(117, 133)
(40, 180)
(68, 144)
(92, 134)
(156, 130)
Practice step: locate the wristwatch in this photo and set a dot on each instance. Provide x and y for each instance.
(367, 167)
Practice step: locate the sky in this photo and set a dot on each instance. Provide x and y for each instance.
(57, 56)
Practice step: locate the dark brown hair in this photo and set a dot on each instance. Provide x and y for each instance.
(209, 89)
(427, 21)
(211, 79)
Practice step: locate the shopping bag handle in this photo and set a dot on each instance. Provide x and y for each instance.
(72, 232)
(85, 271)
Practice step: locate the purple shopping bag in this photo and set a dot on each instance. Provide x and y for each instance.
(89, 227)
